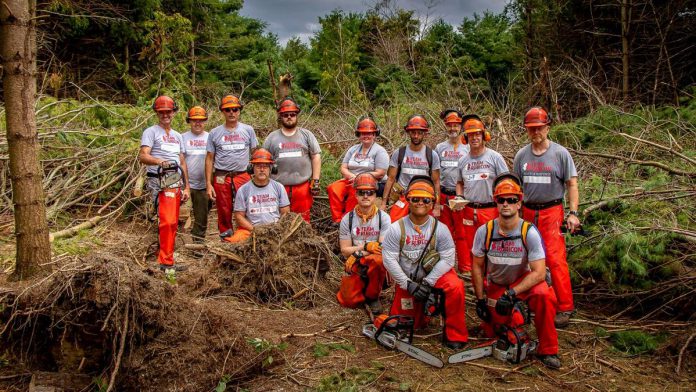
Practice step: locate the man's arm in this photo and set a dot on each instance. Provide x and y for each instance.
(391, 174)
(284, 210)
(209, 159)
(477, 276)
(316, 166)
(533, 278)
(346, 173)
(242, 221)
(147, 159)
(573, 221)
(347, 247)
(184, 170)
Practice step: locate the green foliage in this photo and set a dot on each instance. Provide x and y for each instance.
(264, 346)
(222, 384)
(322, 350)
(635, 342)
(78, 245)
(351, 380)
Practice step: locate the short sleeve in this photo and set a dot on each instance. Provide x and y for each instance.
(479, 247)
(253, 141)
(283, 200)
(516, 163)
(500, 165)
(348, 154)
(240, 201)
(148, 138)
(394, 157)
(381, 159)
(344, 228)
(535, 246)
(568, 166)
(313, 147)
(436, 161)
(210, 146)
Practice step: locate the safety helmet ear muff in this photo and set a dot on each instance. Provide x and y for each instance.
(250, 169)
(476, 121)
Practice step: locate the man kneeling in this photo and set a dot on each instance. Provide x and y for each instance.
(509, 255)
(360, 237)
(260, 201)
(419, 255)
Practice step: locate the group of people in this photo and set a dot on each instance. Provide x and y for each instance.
(456, 207)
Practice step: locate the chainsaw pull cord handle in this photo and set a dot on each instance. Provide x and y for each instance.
(401, 321)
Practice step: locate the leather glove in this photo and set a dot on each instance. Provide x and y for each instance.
(482, 310)
(505, 303)
(373, 247)
(314, 190)
(419, 291)
(350, 261)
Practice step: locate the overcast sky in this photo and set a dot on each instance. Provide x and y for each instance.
(299, 18)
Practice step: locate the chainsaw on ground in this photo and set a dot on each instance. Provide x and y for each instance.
(169, 174)
(396, 332)
(513, 345)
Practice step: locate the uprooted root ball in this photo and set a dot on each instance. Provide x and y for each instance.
(282, 263)
(103, 315)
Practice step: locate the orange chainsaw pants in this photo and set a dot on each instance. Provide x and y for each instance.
(341, 198)
(168, 203)
(225, 187)
(301, 199)
(471, 220)
(363, 283)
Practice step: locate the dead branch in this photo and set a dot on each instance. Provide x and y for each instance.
(659, 146)
(659, 165)
(681, 352)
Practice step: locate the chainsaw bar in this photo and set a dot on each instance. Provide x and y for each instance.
(472, 354)
(390, 340)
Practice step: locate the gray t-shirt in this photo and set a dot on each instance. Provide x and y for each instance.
(478, 173)
(292, 155)
(194, 152)
(232, 147)
(375, 158)
(544, 176)
(415, 163)
(449, 157)
(261, 204)
(364, 232)
(401, 263)
(162, 145)
(508, 259)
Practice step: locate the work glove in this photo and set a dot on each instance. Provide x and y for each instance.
(505, 303)
(349, 263)
(482, 310)
(315, 188)
(373, 247)
(419, 291)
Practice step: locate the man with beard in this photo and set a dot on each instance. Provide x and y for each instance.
(416, 159)
(260, 201)
(297, 154)
(509, 256)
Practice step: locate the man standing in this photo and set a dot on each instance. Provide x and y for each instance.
(161, 150)
(228, 149)
(547, 170)
(418, 254)
(416, 159)
(509, 254)
(260, 201)
(297, 154)
(475, 175)
(195, 142)
(360, 236)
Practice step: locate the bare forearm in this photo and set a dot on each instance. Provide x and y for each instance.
(209, 170)
(316, 166)
(532, 279)
(477, 276)
(573, 195)
(242, 221)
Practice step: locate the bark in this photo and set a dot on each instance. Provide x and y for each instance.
(625, 26)
(18, 57)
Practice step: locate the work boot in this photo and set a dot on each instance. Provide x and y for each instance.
(550, 361)
(175, 267)
(562, 319)
(454, 345)
(225, 234)
(375, 307)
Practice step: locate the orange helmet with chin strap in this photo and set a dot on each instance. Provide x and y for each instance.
(417, 122)
(287, 105)
(507, 184)
(196, 113)
(163, 103)
(365, 181)
(537, 116)
(473, 124)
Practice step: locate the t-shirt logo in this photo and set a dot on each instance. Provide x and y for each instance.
(366, 231)
(477, 165)
(232, 138)
(416, 239)
(289, 145)
(507, 249)
(169, 139)
(536, 167)
(415, 161)
(451, 154)
(197, 143)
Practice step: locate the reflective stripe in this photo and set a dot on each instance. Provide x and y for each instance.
(170, 147)
(232, 147)
(195, 152)
(537, 179)
(408, 170)
(505, 260)
(448, 163)
(290, 154)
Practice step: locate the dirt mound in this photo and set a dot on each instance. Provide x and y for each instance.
(127, 328)
(281, 263)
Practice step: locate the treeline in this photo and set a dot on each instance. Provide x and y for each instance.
(571, 56)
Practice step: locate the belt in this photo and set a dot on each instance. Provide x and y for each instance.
(227, 173)
(448, 191)
(481, 205)
(152, 175)
(543, 206)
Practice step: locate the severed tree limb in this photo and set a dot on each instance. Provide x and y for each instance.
(659, 165)
(71, 231)
(660, 146)
(121, 349)
(681, 352)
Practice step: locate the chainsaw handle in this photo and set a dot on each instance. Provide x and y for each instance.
(395, 323)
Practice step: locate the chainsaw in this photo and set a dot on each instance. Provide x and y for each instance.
(396, 332)
(513, 345)
(169, 174)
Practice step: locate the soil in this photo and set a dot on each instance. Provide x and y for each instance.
(319, 347)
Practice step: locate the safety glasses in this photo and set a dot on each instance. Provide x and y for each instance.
(416, 200)
(509, 200)
(288, 115)
(233, 110)
(366, 192)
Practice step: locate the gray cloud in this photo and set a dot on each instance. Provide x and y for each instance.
(300, 18)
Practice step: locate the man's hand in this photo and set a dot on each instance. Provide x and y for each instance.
(419, 291)
(482, 310)
(186, 194)
(349, 263)
(211, 192)
(373, 247)
(383, 205)
(505, 303)
(572, 223)
(315, 189)
(436, 210)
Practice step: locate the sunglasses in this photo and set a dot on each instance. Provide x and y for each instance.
(416, 200)
(509, 200)
(366, 192)
(288, 115)
(233, 110)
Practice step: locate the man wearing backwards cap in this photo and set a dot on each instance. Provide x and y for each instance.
(195, 142)
(514, 268)
(547, 170)
(228, 150)
(418, 253)
(260, 201)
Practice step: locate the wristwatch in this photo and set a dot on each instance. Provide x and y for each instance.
(573, 212)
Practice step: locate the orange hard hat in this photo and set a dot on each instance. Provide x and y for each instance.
(261, 156)
(451, 116)
(473, 124)
(536, 116)
(366, 125)
(365, 181)
(230, 101)
(417, 122)
(163, 103)
(507, 184)
(287, 105)
(196, 113)
(421, 186)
